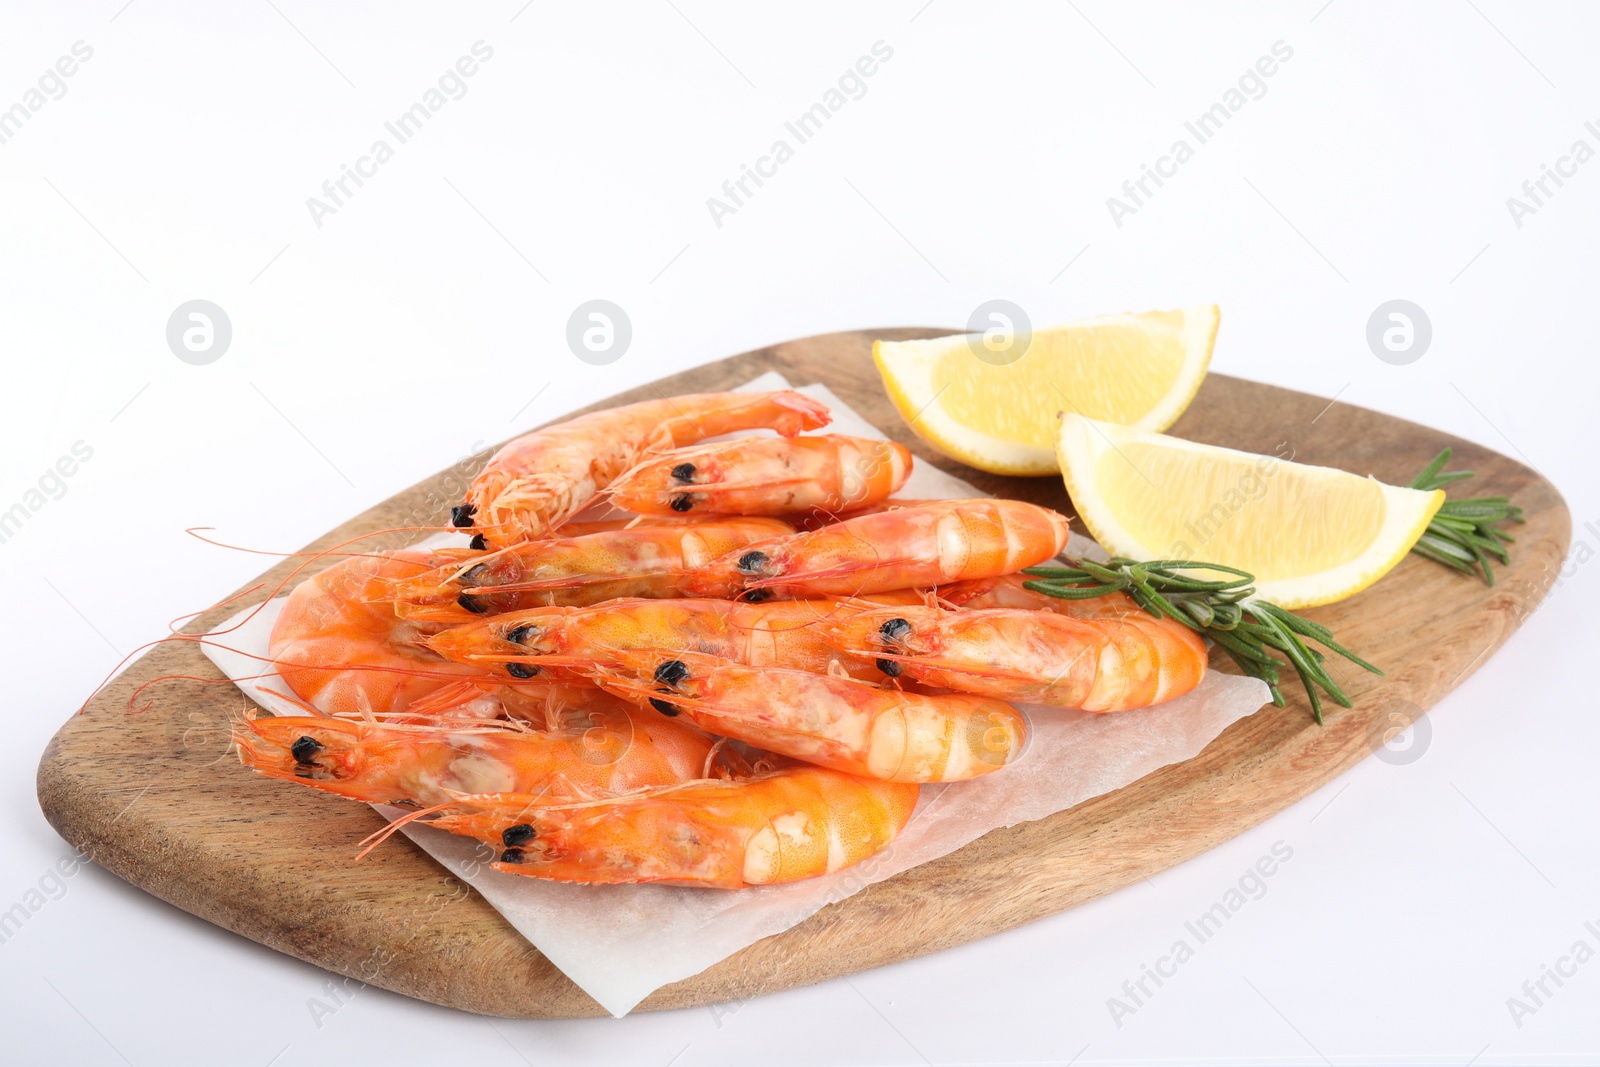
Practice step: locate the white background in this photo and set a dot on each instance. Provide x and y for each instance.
(427, 317)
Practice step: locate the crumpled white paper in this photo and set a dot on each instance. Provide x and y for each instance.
(620, 943)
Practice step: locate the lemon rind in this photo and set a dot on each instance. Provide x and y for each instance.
(907, 371)
(1407, 513)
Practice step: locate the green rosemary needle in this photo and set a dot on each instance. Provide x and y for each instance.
(1462, 534)
(1224, 609)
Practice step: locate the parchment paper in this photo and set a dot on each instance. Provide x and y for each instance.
(620, 943)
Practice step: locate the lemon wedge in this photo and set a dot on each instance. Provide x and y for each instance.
(991, 400)
(1310, 535)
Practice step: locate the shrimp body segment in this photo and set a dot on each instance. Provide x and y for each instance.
(606, 749)
(1007, 591)
(818, 519)
(829, 721)
(644, 561)
(926, 545)
(795, 823)
(342, 650)
(543, 478)
(1036, 657)
(779, 633)
(766, 476)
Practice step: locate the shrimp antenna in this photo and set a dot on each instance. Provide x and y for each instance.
(277, 664)
(373, 840)
(197, 638)
(309, 557)
(172, 624)
(180, 678)
(195, 532)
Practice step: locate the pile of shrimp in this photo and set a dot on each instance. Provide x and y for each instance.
(741, 675)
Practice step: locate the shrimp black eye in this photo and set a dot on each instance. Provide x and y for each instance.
(517, 633)
(305, 750)
(461, 514)
(663, 707)
(683, 472)
(517, 670)
(890, 667)
(511, 855)
(472, 604)
(515, 836)
(478, 544)
(682, 502)
(672, 672)
(757, 596)
(894, 629)
(752, 562)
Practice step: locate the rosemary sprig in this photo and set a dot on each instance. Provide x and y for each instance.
(1462, 534)
(1223, 609)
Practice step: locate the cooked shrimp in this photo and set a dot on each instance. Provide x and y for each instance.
(779, 633)
(1007, 591)
(344, 652)
(541, 479)
(926, 545)
(1037, 657)
(829, 721)
(642, 561)
(799, 822)
(604, 749)
(766, 476)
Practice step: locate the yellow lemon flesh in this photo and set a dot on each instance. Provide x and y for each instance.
(1310, 535)
(992, 403)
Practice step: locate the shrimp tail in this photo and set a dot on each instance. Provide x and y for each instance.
(800, 413)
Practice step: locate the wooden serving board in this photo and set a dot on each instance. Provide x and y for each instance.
(274, 863)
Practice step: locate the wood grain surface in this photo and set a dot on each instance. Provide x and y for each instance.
(158, 799)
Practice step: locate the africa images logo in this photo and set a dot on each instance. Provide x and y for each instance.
(52, 85)
(1252, 85)
(402, 128)
(802, 128)
(52, 485)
